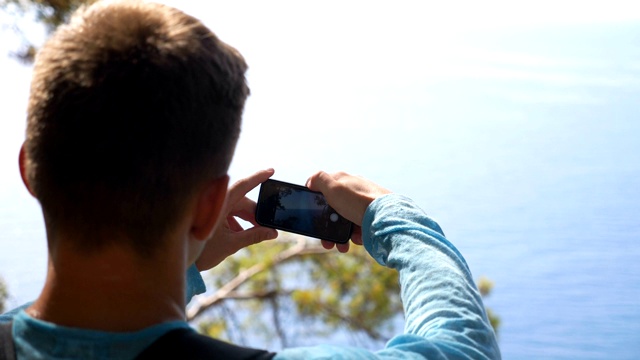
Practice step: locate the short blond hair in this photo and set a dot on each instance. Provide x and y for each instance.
(132, 106)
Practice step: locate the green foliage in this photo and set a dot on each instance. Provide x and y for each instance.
(485, 286)
(494, 320)
(49, 13)
(350, 290)
(4, 294)
(324, 292)
(215, 328)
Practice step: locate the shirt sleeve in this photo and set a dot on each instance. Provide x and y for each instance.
(444, 314)
(9, 315)
(195, 283)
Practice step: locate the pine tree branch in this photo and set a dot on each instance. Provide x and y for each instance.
(261, 295)
(228, 290)
(354, 323)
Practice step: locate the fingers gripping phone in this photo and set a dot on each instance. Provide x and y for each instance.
(297, 209)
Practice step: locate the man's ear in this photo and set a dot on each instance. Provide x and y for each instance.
(22, 163)
(209, 204)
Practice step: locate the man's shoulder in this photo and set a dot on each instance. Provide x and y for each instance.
(10, 315)
(188, 344)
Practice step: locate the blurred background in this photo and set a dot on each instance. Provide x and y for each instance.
(513, 124)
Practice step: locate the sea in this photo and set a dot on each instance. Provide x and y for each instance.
(523, 145)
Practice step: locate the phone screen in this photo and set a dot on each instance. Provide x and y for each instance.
(297, 209)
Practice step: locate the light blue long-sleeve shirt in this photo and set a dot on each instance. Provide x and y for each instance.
(444, 314)
(445, 317)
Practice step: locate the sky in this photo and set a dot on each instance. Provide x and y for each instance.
(321, 65)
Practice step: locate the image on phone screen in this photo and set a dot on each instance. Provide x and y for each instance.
(297, 209)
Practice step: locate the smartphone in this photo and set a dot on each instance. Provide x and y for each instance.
(297, 209)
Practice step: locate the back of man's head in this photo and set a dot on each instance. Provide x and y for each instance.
(133, 106)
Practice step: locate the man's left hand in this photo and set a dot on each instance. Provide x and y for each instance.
(230, 236)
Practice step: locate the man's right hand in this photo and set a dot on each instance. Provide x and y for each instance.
(350, 196)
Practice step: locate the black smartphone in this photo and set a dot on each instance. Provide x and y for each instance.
(297, 209)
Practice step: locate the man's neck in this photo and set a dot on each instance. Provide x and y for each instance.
(111, 290)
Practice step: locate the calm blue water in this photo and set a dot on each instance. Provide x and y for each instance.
(531, 164)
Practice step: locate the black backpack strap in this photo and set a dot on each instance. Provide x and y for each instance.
(188, 344)
(7, 351)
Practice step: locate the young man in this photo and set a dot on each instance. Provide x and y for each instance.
(133, 118)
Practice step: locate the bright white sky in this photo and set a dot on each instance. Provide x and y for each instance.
(317, 64)
(302, 54)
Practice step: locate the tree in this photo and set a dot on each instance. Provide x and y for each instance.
(49, 13)
(294, 278)
(485, 286)
(4, 294)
